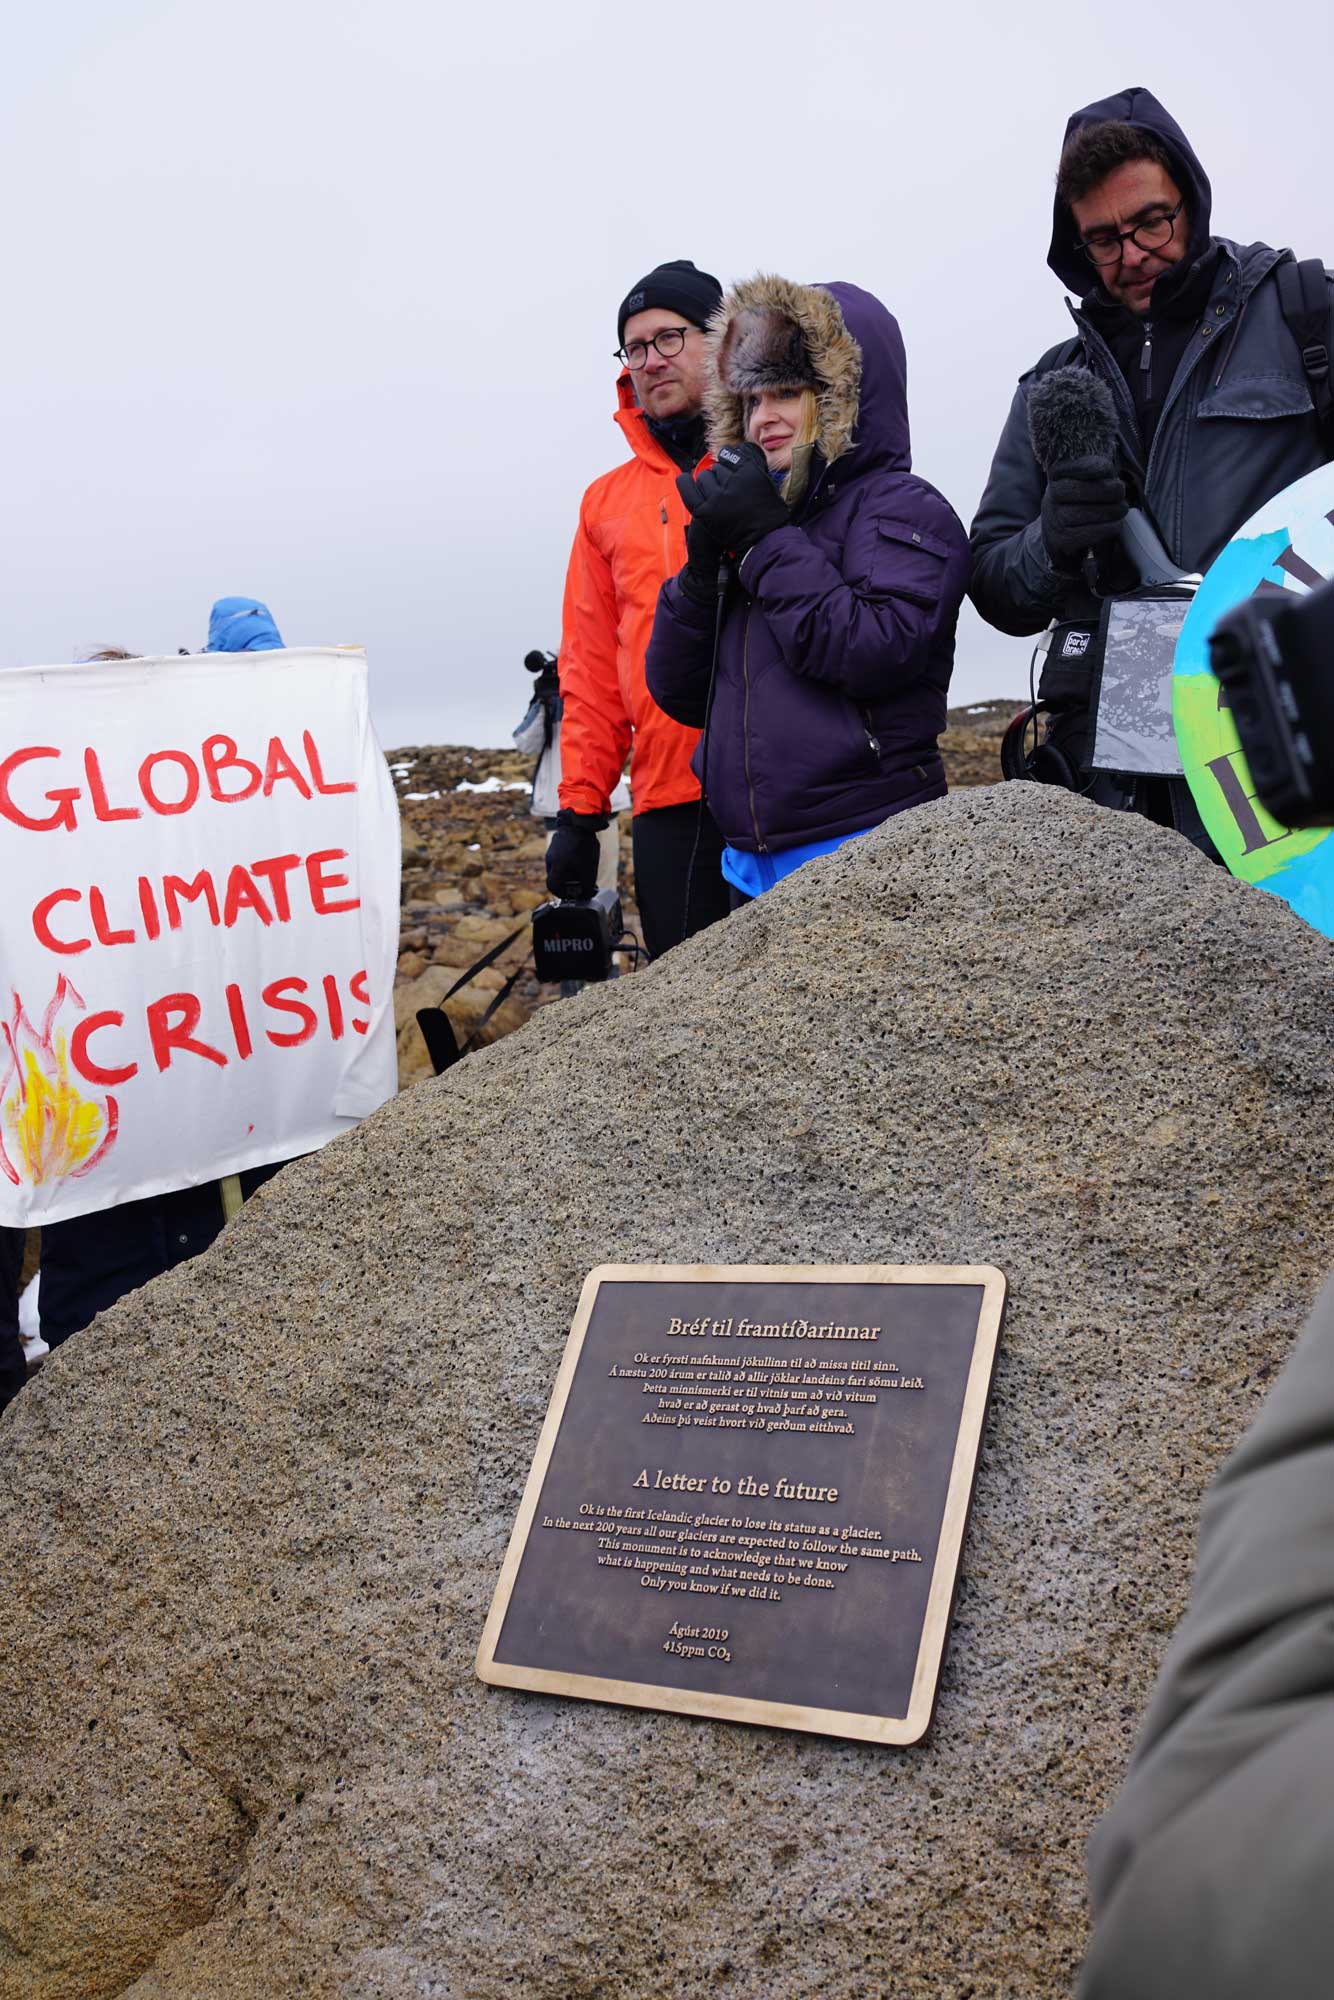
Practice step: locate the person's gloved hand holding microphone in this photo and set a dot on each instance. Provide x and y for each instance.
(1072, 424)
(704, 556)
(1082, 509)
(732, 505)
(572, 856)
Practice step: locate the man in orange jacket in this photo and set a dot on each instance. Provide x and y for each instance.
(631, 538)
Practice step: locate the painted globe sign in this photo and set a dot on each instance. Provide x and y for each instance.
(1288, 545)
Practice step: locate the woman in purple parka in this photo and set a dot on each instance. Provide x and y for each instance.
(831, 575)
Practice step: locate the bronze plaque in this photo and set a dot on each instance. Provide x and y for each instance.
(749, 1496)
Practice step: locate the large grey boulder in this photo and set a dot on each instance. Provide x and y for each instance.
(254, 1516)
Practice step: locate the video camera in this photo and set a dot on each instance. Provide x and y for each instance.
(573, 939)
(543, 667)
(1274, 656)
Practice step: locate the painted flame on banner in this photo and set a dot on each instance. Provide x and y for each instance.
(50, 1130)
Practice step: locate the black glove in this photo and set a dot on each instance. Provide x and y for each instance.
(1083, 507)
(572, 857)
(699, 578)
(735, 501)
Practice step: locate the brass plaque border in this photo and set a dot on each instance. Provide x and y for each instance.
(885, 1729)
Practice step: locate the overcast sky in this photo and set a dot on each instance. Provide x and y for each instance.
(315, 302)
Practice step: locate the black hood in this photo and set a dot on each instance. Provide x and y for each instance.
(1141, 109)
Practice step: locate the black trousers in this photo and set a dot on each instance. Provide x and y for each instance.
(90, 1261)
(13, 1364)
(664, 841)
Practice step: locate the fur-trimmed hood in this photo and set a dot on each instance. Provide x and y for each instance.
(769, 332)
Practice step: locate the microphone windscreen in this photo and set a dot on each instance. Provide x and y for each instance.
(1071, 415)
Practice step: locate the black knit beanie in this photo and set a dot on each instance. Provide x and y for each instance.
(676, 287)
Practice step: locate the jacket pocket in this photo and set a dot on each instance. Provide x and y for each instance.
(823, 745)
(858, 744)
(909, 562)
(1258, 397)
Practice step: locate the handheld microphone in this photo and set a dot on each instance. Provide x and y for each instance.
(1071, 415)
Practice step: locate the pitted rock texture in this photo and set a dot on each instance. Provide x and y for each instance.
(474, 866)
(245, 1754)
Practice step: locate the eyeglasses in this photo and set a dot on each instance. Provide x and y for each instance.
(668, 341)
(1104, 246)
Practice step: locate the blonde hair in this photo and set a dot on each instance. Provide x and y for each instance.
(808, 428)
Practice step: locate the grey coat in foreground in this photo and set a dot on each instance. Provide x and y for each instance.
(1211, 1874)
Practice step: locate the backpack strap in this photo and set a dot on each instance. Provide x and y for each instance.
(1303, 295)
(442, 1044)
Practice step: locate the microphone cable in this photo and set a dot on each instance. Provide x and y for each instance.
(1029, 755)
(724, 580)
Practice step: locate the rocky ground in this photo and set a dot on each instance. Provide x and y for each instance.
(472, 871)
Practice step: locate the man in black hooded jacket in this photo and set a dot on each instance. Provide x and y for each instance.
(1216, 409)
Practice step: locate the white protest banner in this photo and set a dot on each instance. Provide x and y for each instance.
(199, 922)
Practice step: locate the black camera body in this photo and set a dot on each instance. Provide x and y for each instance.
(574, 938)
(545, 674)
(1274, 655)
